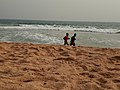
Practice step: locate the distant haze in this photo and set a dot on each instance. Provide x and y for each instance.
(62, 10)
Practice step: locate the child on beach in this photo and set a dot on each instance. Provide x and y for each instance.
(72, 42)
(66, 39)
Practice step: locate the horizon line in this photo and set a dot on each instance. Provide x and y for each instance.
(60, 20)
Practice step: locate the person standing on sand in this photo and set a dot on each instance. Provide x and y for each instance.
(72, 42)
(66, 39)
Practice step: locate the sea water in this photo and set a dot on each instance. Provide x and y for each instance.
(96, 34)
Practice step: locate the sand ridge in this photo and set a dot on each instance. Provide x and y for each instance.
(26, 66)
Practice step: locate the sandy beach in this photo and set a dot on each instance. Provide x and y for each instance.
(26, 66)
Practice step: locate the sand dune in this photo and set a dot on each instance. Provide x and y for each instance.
(57, 67)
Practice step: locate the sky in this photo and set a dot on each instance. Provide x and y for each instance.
(61, 10)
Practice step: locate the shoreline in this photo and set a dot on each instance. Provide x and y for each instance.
(58, 67)
(84, 46)
(56, 37)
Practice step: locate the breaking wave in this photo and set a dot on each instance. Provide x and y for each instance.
(60, 27)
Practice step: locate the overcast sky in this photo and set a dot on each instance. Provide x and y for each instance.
(65, 10)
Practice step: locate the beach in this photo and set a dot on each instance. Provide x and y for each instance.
(27, 66)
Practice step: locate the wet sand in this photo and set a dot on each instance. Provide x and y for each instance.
(26, 66)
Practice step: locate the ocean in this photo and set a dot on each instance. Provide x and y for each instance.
(95, 34)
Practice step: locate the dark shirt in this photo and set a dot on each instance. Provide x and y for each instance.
(73, 38)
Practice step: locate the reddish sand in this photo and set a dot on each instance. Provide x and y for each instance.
(57, 67)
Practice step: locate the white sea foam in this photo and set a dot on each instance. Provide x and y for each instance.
(60, 27)
(52, 32)
(28, 36)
